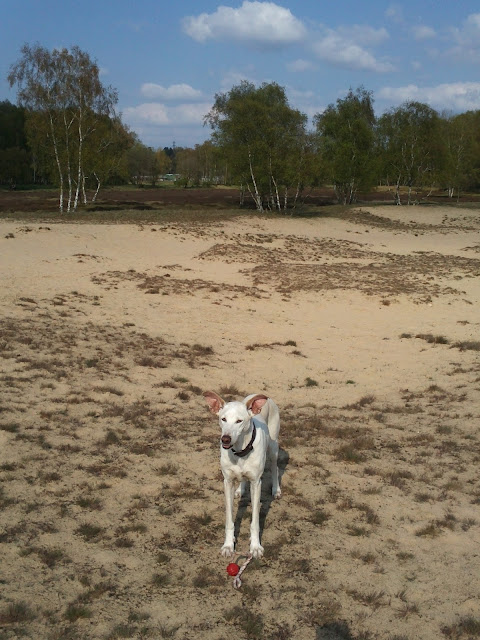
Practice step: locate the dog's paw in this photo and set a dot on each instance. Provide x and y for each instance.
(256, 550)
(277, 494)
(227, 550)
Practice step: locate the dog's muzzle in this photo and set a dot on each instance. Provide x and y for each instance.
(226, 442)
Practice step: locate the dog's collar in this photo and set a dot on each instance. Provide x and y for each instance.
(249, 447)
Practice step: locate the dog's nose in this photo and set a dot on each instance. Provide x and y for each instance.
(226, 440)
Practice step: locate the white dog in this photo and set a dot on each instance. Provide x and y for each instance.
(245, 443)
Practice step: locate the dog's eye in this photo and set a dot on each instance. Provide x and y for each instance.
(238, 421)
(224, 419)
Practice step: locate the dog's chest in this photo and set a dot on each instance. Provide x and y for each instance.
(248, 468)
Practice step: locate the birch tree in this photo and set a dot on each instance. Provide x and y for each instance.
(105, 155)
(461, 137)
(65, 102)
(346, 132)
(411, 147)
(262, 139)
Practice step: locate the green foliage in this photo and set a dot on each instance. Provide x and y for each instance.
(461, 138)
(14, 155)
(71, 126)
(346, 133)
(410, 146)
(264, 141)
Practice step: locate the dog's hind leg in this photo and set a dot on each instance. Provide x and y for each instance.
(242, 487)
(273, 453)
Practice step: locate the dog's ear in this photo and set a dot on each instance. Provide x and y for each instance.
(214, 402)
(255, 404)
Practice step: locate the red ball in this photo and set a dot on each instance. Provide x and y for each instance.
(233, 569)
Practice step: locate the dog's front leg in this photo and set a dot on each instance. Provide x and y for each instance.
(256, 548)
(229, 544)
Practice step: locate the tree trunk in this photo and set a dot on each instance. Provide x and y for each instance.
(396, 196)
(256, 196)
(97, 189)
(84, 193)
(67, 149)
(59, 166)
(79, 172)
(242, 196)
(276, 201)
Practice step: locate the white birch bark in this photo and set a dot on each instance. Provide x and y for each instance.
(80, 149)
(257, 198)
(57, 160)
(97, 189)
(68, 167)
(84, 193)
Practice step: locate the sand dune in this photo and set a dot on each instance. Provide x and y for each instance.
(365, 331)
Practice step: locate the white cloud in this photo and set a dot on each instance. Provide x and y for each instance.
(297, 94)
(156, 114)
(346, 47)
(423, 33)
(260, 23)
(394, 12)
(467, 39)
(147, 112)
(299, 65)
(175, 92)
(232, 78)
(363, 34)
(458, 96)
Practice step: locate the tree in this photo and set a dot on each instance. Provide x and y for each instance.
(65, 103)
(107, 157)
(15, 157)
(461, 138)
(162, 163)
(346, 133)
(410, 147)
(262, 138)
(140, 160)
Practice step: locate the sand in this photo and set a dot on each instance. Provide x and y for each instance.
(364, 329)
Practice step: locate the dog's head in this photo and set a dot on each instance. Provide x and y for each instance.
(234, 417)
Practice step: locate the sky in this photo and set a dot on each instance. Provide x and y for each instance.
(168, 60)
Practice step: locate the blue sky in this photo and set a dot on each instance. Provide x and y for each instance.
(168, 59)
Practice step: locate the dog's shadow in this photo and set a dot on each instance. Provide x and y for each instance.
(266, 497)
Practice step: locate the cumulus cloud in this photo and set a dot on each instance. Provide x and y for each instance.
(423, 33)
(260, 23)
(467, 39)
(232, 78)
(347, 47)
(457, 96)
(174, 93)
(154, 113)
(148, 112)
(394, 12)
(299, 65)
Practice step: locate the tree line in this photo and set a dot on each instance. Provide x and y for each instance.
(66, 131)
(274, 156)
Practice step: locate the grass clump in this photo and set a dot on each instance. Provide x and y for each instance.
(89, 532)
(16, 612)
(466, 627)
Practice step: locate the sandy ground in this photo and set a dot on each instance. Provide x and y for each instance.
(364, 330)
